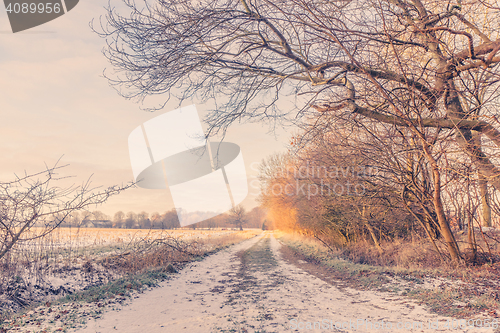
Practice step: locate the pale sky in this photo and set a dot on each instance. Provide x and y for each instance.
(54, 102)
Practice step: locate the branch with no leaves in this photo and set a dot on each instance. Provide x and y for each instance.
(33, 200)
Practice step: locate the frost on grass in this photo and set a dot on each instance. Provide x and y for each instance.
(79, 271)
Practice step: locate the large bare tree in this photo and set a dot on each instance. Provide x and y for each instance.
(428, 66)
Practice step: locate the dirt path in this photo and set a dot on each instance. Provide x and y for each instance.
(250, 288)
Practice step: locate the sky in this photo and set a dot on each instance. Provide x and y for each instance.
(56, 105)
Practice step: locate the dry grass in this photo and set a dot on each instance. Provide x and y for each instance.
(171, 248)
(415, 254)
(70, 260)
(459, 291)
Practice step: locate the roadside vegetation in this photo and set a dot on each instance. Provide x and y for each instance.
(347, 194)
(470, 292)
(70, 284)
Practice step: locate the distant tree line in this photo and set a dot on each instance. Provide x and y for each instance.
(238, 217)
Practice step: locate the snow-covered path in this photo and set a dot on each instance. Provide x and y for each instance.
(249, 287)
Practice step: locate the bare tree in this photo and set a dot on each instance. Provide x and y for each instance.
(118, 219)
(237, 216)
(143, 220)
(170, 220)
(156, 220)
(75, 219)
(131, 220)
(420, 65)
(256, 217)
(98, 215)
(36, 200)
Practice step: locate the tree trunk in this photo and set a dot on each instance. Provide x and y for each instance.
(448, 236)
(370, 230)
(485, 200)
(471, 238)
(483, 185)
(444, 226)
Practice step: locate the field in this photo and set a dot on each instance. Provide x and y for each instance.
(90, 237)
(69, 261)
